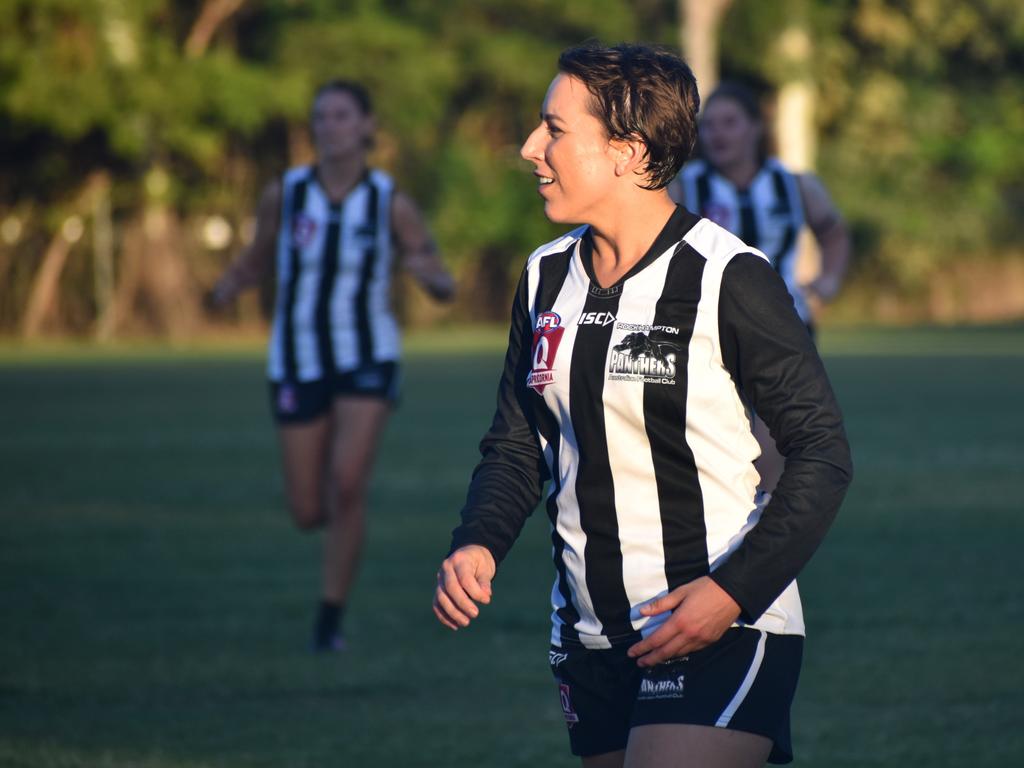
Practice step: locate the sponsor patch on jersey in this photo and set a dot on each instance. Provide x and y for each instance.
(303, 230)
(640, 358)
(547, 335)
(565, 696)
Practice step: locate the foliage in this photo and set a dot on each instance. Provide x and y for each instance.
(921, 111)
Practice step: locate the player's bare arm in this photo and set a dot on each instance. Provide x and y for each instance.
(463, 580)
(419, 254)
(830, 231)
(257, 258)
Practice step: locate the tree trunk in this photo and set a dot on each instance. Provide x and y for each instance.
(213, 14)
(698, 39)
(44, 295)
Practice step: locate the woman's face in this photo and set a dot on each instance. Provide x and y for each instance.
(574, 161)
(340, 127)
(728, 134)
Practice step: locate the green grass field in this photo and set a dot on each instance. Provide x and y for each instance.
(155, 603)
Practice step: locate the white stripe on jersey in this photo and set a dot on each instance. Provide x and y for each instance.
(386, 337)
(570, 302)
(307, 354)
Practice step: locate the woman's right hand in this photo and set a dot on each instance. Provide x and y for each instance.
(463, 580)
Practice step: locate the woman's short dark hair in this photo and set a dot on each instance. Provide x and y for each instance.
(356, 90)
(641, 92)
(741, 94)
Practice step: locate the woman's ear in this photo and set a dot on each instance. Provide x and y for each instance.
(631, 156)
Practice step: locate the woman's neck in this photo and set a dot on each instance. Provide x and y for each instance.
(623, 238)
(339, 176)
(742, 172)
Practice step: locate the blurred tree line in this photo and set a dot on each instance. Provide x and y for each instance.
(137, 134)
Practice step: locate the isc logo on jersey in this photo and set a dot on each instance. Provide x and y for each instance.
(547, 335)
(596, 318)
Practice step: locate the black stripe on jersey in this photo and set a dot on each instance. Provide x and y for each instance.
(703, 192)
(783, 206)
(328, 271)
(553, 271)
(748, 223)
(675, 471)
(595, 490)
(295, 206)
(363, 327)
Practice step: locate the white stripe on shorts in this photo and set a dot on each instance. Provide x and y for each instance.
(745, 686)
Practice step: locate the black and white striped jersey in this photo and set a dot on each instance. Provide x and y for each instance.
(333, 279)
(768, 214)
(635, 401)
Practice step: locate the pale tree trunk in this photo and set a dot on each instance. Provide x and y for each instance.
(212, 15)
(794, 118)
(698, 39)
(44, 295)
(103, 264)
(795, 133)
(156, 287)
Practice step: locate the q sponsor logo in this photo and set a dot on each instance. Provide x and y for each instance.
(304, 230)
(547, 335)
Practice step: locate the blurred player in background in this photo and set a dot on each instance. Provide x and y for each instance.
(335, 231)
(739, 187)
(639, 343)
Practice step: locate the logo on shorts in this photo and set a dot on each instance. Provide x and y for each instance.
(640, 358)
(304, 230)
(556, 657)
(567, 710)
(547, 335)
(287, 399)
(661, 689)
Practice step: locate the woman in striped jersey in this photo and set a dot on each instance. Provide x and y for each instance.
(335, 231)
(640, 343)
(738, 186)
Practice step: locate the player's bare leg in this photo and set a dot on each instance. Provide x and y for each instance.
(607, 760)
(304, 460)
(771, 462)
(356, 427)
(695, 746)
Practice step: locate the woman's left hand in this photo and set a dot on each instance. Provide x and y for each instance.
(701, 612)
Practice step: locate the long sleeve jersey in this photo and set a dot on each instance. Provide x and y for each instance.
(636, 401)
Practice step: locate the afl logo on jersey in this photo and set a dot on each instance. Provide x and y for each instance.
(547, 334)
(303, 230)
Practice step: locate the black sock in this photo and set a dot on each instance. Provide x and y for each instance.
(328, 622)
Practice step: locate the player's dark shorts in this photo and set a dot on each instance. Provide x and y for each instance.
(300, 401)
(744, 682)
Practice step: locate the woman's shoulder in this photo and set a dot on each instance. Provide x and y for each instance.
(716, 244)
(558, 245)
